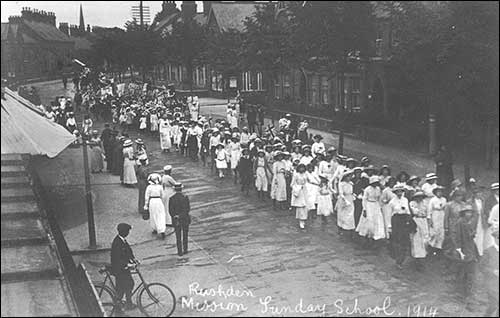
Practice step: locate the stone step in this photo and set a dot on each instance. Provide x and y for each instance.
(13, 171)
(19, 210)
(17, 194)
(23, 232)
(15, 182)
(28, 262)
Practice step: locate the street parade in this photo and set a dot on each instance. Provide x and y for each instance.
(250, 158)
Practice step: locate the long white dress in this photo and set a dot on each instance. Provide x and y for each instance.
(153, 119)
(235, 153)
(372, 226)
(221, 159)
(154, 203)
(261, 175)
(387, 196)
(420, 239)
(436, 212)
(165, 134)
(325, 204)
(129, 176)
(298, 186)
(278, 185)
(345, 206)
(167, 182)
(312, 189)
(483, 238)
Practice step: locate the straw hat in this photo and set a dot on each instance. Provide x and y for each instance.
(412, 178)
(430, 176)
(494, 186)
(418, 194)
(127, 143)
(435, 190)
(374, 179)
(398, 187)
(167, 168)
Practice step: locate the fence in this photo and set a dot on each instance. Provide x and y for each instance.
(82, 288)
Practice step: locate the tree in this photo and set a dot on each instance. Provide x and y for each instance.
(186, 44)
(336, 35)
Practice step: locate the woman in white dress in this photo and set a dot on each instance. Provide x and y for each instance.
(298, 200)
(154, 204)
(278, 185)
(419, 239)
(371, 223)
(165, 134)
(260, 168)
(221, 159)
(436, 213)
(325, 204)
(153, 120)
(387, 196)
(129, 177)
(345, 203)
(234, 150)
(167, 182)
(312, 187)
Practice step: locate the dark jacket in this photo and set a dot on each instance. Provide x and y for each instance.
(121, 255)
(178, 206)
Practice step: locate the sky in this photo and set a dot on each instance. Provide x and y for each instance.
(99, 13)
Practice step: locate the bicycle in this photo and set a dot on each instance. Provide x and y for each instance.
(153, 300)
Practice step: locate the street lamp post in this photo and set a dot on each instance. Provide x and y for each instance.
(88, 195)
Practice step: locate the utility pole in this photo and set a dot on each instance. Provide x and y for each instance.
(141, 9)
(88, 195)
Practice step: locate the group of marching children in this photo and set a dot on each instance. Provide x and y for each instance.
(415, 217)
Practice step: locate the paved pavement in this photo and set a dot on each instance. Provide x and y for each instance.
(239, 242)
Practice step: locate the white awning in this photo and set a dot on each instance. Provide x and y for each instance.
(24, 129)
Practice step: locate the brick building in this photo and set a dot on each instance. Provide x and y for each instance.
(32, 46)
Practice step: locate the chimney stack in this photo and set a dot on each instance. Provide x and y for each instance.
(64, 28)
(207, 5)
(188, 10)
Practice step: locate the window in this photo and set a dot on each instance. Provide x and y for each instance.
(315, 90)
(214, 82)
(219, 82)
(353, 93)
(395, 38)
(287, 88)
(324, 90)
(259, 81)
(246, 84)
(277, 87)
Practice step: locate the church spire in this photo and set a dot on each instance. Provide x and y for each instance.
(82, 23)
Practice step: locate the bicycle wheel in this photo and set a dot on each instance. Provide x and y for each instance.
(107, 296)
(156, 300)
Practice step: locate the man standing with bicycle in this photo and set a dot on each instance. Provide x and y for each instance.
(178, 207)
(122, 260)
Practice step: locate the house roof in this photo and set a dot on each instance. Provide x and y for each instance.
(46, 31)
(81, 43)
(5, 31)
(232, 15)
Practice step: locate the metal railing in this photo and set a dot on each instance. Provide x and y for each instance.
(82, 288)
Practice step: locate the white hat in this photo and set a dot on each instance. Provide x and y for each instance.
(154, 178)
(494, 186)
(127, 143)
(398, 187)
(374, 179)
(167, 168)
(430, 176)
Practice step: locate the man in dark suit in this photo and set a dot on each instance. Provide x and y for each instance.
(179, 210)
(122, 260)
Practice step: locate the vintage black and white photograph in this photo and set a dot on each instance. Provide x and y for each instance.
(250, 158)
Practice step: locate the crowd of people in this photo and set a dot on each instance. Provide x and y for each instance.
(414, 216)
